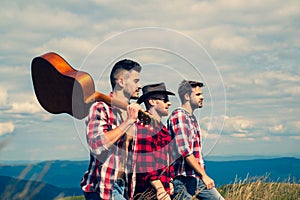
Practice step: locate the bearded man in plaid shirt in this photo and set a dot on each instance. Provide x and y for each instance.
(109, 136)
(153, 145)
(189, 169)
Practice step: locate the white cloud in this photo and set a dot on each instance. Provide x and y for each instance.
(3, 97)
(277, 128)
(259, 85)
(6, 128)
(266, 138)
(69, 45)
(231, 43)
(239, 124)
(25, 107)
(295, 137)
(33, 16)
(232, 125)
(247, 128)
(239, 135)
(255, 42)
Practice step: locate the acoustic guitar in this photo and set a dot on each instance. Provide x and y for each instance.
(60, 88)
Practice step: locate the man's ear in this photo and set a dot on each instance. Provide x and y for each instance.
(120, 81)
(151, 102)
(187, 97)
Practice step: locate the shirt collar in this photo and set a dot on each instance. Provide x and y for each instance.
(187, 112)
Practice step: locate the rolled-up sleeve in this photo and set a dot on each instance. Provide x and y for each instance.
(97, 124)
(178, 125)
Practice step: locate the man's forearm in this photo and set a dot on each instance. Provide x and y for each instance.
(192, 162)
(113, 135)
(157, 184)
(161, 193)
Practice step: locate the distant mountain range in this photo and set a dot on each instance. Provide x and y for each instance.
(275, 169)
(12, 188)
(65, 174)
(56, 178)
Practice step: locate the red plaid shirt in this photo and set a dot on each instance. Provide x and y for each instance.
(152, 156)
(104, 162)
(184, 127)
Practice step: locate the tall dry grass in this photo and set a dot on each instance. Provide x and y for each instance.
(252, 188)
(260, 188)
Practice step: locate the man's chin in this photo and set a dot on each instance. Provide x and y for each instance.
(166, 113)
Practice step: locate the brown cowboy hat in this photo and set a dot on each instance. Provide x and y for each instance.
(152, 89)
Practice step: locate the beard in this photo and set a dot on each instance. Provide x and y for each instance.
(196, 105)
(134, 95)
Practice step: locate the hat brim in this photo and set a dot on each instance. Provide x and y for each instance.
(144, 96)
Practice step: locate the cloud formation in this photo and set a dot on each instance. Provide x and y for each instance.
(6, 128)
(255, 46)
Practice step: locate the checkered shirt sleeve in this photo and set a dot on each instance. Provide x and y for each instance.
(104, 161)
(179, 127)
(185, 130)
(100, 120)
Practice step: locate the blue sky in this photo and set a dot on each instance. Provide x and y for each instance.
(246, 53)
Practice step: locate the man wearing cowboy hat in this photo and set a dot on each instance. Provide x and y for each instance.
(152, 146)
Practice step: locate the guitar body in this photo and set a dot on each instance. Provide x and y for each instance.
(59, 88)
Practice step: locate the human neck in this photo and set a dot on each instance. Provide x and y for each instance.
(187, 106)
(119, 94)
(154, 114)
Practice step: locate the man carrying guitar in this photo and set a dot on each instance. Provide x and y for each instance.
(109, 135)
(153, 147)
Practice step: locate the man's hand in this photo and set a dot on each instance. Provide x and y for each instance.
(132, 111)
(191, 160)
(161, 194)
(208, 182)
(171, 188)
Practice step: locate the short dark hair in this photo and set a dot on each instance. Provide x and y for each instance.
(124, 64)
(185, 87)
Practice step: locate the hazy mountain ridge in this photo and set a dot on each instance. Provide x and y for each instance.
(68, 174)
(13, 188)
(277, 169)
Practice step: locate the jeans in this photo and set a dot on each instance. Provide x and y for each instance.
(180, 191)
(91, 196)
(118, 192)
(194, 185)
(119, 189)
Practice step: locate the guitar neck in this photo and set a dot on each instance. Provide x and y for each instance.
(98, 96)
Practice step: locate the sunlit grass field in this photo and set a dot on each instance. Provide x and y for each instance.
(251, 189)
(260, 189)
